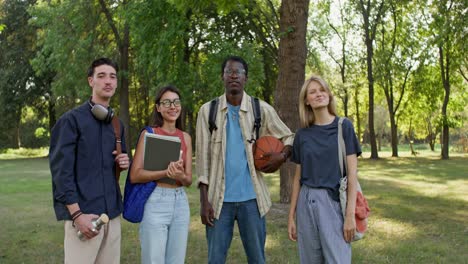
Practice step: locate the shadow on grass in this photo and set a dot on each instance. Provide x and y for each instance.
(411, 227)
(423, 168)
(419, 215)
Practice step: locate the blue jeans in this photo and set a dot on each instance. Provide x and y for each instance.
(165, 225)
(252, 230)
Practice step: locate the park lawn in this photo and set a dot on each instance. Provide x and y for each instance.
(419, 215)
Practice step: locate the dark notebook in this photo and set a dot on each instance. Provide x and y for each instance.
(160, 151)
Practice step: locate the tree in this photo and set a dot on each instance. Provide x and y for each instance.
(447, 23)
(371, 19)
(74, 33)
(122, 37)
(427, 108)
(18, 84)
(339, 28)
(292, 57)
(395, 60)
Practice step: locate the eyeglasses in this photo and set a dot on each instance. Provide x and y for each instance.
(167, 103)
(236, 72)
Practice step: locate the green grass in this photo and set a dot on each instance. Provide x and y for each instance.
(22, 153)
(419, 215)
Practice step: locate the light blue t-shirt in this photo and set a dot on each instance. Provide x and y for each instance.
(239, 187)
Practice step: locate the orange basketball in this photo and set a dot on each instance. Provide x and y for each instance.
(265, 144)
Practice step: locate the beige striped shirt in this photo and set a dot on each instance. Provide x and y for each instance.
(211, 149)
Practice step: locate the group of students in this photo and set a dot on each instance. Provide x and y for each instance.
(83, 161)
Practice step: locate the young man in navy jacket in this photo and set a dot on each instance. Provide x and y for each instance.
(83, 160)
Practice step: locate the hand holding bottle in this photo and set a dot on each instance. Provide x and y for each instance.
(97, 223)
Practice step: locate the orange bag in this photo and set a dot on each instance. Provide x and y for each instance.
(362, 210)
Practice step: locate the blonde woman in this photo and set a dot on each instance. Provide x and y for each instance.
(315, 219)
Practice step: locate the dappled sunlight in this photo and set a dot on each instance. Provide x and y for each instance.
(273, 242)
(421, 154)
(387, 229)
(418, 215)
(273, 182)
(461, 216)
(196, 225)
(455, 189)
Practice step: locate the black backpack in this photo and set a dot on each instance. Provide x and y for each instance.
(256, 109)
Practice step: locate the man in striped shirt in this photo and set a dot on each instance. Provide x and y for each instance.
(230, 187)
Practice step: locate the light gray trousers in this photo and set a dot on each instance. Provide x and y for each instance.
(320, 228)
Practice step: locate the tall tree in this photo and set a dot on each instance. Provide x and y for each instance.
(447, 22)
(189, 41)
(17, 79)
(372, 12)
(396, 45)
(425, 88)
(122, 37)
(338, 26)
(74, 33)
(292, 58)
(263, 22)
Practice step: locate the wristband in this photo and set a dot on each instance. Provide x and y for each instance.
(75, 214)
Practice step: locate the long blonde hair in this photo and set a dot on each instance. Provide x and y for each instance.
(306, 113)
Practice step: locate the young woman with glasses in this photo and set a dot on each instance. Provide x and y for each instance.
(165, 225)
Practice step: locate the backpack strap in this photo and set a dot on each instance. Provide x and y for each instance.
(118, 144)
(256, 111)
(341, 147)
(212, 115)
(257, 115)
(149, 130)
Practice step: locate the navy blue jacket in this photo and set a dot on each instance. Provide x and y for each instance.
(82, 164)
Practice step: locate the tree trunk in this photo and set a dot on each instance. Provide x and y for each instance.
(379, 142)
(431, 137)
(370, 79)
(343, 80)
(51, 108)
(410, 136)
(394, 131)
(124, 101)
(393, 125)
(369, 36)
(432, 145)
(358, 113)
(269, 81)
(191, 127)
(444, 66)
(123, 44)
(18, 133)
(292, 59)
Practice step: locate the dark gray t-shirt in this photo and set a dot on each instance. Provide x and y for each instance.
(316, 149)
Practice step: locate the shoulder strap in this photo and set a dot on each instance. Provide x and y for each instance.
(149, 129)
(118, 144)
(256, 110)
(212, 115)
(341, 147)
(257, 115)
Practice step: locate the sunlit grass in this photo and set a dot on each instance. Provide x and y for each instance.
(21, 153)
(419, 215)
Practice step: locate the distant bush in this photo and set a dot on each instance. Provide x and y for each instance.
(23, 153)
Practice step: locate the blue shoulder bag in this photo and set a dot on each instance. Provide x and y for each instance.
(136, 195)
